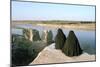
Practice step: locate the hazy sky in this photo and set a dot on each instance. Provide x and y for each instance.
(47, 11)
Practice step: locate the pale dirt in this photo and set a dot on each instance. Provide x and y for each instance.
(79, 26)
(71, 26)
(51, 55)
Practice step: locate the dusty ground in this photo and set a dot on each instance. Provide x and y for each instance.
(71, 26)
(51, 55)
(86, 26)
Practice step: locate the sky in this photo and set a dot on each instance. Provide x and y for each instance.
(48, 11)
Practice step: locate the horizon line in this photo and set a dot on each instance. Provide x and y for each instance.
(54, 20)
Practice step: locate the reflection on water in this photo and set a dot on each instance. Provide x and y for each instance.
(86, 38)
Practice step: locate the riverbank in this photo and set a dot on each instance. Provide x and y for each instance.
(90, 26)
(78, 26)
(51, 55)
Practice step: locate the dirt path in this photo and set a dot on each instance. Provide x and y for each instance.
(51, 55)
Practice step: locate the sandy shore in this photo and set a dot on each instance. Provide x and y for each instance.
(51, 55)
(84, 26)
(70, 26)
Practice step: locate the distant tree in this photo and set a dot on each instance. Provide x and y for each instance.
(72, 46)
(60, 39)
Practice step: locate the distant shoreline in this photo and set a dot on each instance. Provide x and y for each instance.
(68, 25)
(71, 26)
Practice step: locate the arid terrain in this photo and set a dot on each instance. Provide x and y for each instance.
(51, 55)
(52, 24)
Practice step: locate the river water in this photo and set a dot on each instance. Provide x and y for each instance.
(87, 38)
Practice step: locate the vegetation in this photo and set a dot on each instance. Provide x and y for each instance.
(23, 50)
(72, 46)
(60, 39)
(51, 21)
(15, 38)
(22, 53)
